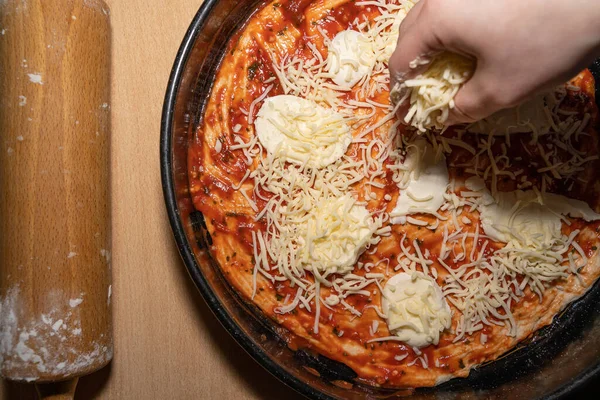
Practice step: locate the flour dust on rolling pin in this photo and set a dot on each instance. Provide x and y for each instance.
(55, 276)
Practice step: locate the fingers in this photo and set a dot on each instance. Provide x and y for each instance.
(414, 42)
(468, 103)
(418, 41)
(477, 98)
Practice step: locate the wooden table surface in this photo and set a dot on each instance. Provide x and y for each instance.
(168, 345)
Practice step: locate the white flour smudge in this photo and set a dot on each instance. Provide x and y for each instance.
(75, 302)
(36, 78)
(57, 325)
(44, 342)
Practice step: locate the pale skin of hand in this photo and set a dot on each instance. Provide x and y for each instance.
(521, 47)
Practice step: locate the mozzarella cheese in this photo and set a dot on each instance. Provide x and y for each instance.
(351, 58)
(532, 219)
(335, 234)
(415, 308)
(428, 179)
(301, 131)
(431, 94)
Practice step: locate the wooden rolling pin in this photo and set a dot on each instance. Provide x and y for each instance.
(55, 277)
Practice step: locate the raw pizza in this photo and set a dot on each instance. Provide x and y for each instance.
(409, 256)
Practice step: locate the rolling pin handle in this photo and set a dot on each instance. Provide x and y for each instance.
(64, 390)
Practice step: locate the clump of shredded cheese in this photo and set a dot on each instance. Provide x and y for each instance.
(530, 224)
(431, 94)
(335, 234)
(350, 58)
(424, 182)
(311, 220)
(415, 308)
(301, 131)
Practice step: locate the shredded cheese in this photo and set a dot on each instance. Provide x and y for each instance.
(431, 94)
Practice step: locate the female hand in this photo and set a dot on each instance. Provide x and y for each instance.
(521, 47)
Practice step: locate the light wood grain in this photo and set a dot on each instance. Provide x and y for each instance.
(54, 180)
(168, 345)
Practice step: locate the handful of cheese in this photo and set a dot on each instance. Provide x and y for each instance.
(431, 94)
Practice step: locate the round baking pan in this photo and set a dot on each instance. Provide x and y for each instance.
(556, 361)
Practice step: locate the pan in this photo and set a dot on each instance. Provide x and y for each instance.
(560, 360)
